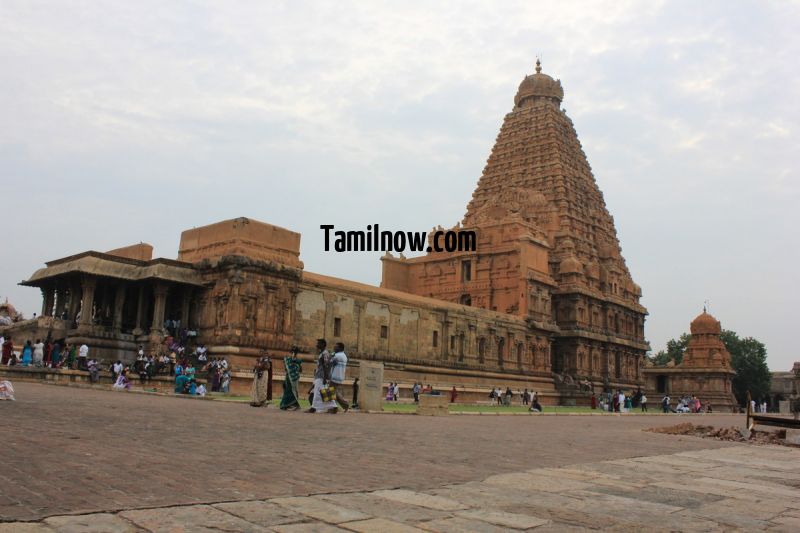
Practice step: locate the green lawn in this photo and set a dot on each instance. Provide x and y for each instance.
(396, 407)
(475, 408)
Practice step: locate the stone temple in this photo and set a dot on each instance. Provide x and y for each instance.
(545, 302)
(705, 370)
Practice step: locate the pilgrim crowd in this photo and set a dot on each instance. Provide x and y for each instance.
(325, 394)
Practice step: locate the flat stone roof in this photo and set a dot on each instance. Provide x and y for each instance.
(112, 266)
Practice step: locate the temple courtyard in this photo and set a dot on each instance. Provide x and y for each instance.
(93, 460)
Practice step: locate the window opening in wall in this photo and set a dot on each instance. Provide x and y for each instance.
(466, 271)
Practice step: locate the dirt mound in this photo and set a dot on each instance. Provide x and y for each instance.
(729, 434)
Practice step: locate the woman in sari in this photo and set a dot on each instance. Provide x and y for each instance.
(390, 392)
(8, 352)
(258, 391)
(55, 355)
(71, 352)
(181, 383)
(38, 353)
(27, 354)
(293, 366)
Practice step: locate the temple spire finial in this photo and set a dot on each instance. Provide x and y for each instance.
(538, 65)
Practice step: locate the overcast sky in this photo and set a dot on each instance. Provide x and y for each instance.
(123, 122)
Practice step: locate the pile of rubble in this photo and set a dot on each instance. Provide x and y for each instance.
(730, 434)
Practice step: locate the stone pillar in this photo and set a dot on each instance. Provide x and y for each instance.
(370, 396)
(187, 299)
(159, 307)
(328, 330)
(88, 284)
(74, 300)
(105, 303)
(61, 301)
(119, 302)
(445, 345)
(394, 318)
(139, 311)
(291, 310)
(359, 307)
(44, 292)
(48, 301)
(472, 342)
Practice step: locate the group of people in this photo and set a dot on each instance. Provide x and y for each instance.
(393, 393)
(416, 390)
(686, 404)
(619, 401)
(218, 375)
(325, 395)
(329, 376)
(756, 407)
(47, 354)
(498, 397)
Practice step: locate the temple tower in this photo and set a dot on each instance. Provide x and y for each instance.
(547, 246)
(705, 370)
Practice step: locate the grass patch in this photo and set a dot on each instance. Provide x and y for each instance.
(402, 407)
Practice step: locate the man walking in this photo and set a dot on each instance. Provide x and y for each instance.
(321, 377)
(338, 370)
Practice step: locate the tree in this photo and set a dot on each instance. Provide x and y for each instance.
(674, 351)
(749, 360)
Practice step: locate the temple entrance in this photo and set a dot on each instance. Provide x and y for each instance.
(661, 384)
(556, 361)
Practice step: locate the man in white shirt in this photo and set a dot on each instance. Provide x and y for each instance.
(83, 353)
(338, 370)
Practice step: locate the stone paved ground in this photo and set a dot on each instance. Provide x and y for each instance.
(137, 462)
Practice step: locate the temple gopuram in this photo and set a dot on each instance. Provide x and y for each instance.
(545, 302)
(705, 370)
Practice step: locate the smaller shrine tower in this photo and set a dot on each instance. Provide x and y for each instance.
(705, 370)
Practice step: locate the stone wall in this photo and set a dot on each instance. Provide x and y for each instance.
(392, 326)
